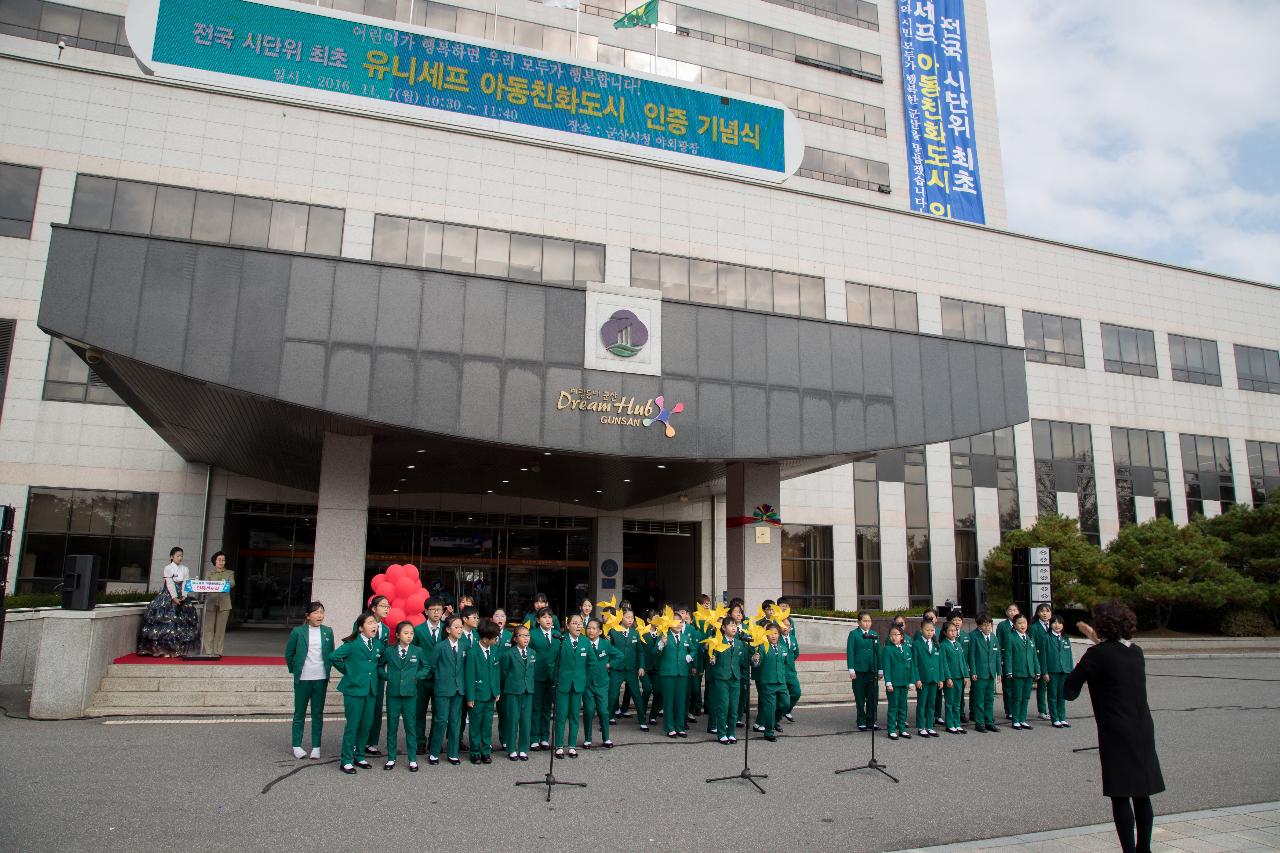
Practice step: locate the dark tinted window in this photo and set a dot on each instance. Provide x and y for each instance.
(1194, 360)
(1126, 350)
(18, 188)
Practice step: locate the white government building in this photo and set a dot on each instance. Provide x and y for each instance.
(163, 204)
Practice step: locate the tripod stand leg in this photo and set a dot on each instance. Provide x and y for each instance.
(549, 779)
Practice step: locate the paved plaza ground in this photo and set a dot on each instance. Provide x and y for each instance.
(201, 785)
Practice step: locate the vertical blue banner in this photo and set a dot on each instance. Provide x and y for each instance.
(937, 100)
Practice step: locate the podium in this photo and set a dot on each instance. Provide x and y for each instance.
(204, 589)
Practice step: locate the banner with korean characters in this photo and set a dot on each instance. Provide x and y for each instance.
(337, 58)
(937, 100)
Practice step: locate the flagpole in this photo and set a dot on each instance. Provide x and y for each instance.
(495, 20)
(577, 20)
(655, 47)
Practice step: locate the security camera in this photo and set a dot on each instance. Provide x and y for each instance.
(93, 356)
(62, 45)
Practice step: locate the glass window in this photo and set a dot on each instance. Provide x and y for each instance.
(1264, 469)
(459, 252)
(118, 527)
(1207, 472)
(526, 257)
(1194, 360)
(588, 263)
(675, 277)
(1131, 351)
(493, 252)
(645, 271)
(786, 293)
(18, 188)
(324, 230)
(175, 208)
(212, 222)
(99, 27)
(92, 201)
(426, 244)
(557, 261)
(813, 297)
(702, 281)
(59, 19)
(390, 239)
(250, 221)
(7, 328)
(858, 303)
(1052, 339)
(973, 321)
(732, 285)
(134, 207)
(882, 307)
(68, 378)
(1258, 369)
(288, 227)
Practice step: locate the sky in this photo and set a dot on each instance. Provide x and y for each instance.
(1146, 128)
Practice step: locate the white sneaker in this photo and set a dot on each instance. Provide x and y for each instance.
(298, 753)
(315, 752)
(1042, 716)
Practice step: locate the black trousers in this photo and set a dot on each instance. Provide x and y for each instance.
(1133, 823)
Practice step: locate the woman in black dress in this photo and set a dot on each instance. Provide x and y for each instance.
(1116, 674)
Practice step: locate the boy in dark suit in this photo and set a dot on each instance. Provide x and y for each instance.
(484, 688)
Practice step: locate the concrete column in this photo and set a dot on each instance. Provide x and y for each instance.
(986, 506)
(942, 523)
(606, 557)
(1144, 508)
(754, 566)
(1104, 479)
(1177, 480)
(844, 555)
(1069, 504)
(1240, 471)
(342, 523)
(893, 546)
(1024, 447)
(719, 538)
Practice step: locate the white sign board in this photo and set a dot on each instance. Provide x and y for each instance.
(1041, 592)
(1038, 556)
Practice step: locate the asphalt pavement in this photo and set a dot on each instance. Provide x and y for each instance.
(134, 785)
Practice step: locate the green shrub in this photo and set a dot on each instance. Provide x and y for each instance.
(53, 599)
(1247, 623)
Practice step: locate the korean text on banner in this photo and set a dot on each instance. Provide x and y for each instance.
(937, 100)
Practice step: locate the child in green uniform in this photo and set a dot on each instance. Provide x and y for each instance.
(1021, 668)
(655, 684)
(425, 637)
(1039, 632)
(928, 661)
(519, 669)
(692, 690)
(769, 666)
(499, 618)
(862, 653)
(955, 672)
(544, 640)
(675, 653)
(401, 667)
(539, 604)
(984, 669)
(899, 673)
(569, 672)
(737, 611)
(357, 660)
(787, 638)
(307, 655)
(628, 670)
(380, 606)
(484, 688)
(1055, 665)
(725, 672)
(1003, 632)
(448, 668)
(601, 657)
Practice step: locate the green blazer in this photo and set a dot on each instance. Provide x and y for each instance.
(519, 674)
(402, 674)
(671, 657)
(1003, 632)
(954, 665)
(984, 655)
(793, 652)
(1055, 654)
(425, 640)
(295, 650)
(730, 665)
(1039, 632)
(862, 652)
(1021, 661)
(899, 665)
(598, 662)
(468, 641)
(449, 669)
(928, 661)
(630, 650)
(359, 667)
(531, 622)
(569, 666)
(484, 673)
(546, 651)
(771, 671)
(504, 640)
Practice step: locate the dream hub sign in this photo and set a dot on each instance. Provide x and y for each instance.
(336, 58)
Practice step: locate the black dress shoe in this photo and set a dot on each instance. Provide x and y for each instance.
(422, 750)
(771, 738)
(455, 761)
(778, 729)
(475, 759)
(487, 759)
(432, 761)
(364, 765)
(350, 771)
(372, 750)
(682, 734)
(413, 767)
(464, 747)
(993, 729)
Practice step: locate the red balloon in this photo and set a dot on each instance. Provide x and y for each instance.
(394, 617)
(411, 571)
(379, 578)
(417, 619)
(395, 571)
(406, 587)
(416, 601)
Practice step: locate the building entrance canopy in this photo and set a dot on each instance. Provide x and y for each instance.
(245, 358)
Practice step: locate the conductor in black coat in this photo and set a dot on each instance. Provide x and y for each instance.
(1116, 673)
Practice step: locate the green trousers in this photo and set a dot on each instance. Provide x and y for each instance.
(866, 695)
(426, 696)
(675, 700)
(543, 693)
(983, 700)
(954, 696)
(1019, 693)
(631, 681)
(355, 734)
(724, 697)
(896, 699)
(402, 708)
(772, 698)
(500, 711)
(655, 696)
(1042, 695)
(309, 693)
(926, 705)
(446, 721)
(519, 721)
(1057, 702)
(793, 692)
(481, 742)
(595, 704)
(379, 706)
(695, 694)
(568, 710)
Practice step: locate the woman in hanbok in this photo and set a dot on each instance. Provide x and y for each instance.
(171, 625)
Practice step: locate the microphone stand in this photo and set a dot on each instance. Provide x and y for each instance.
(746, 746)
(875, 713)
(549, 778)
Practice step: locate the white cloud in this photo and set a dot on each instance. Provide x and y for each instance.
(1139, 126)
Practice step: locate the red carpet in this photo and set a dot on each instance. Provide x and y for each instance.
(226, 661)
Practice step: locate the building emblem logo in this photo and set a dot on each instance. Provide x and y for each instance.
(664, 415)
(623, 334)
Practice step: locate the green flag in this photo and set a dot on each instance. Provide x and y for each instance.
(643, 15)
